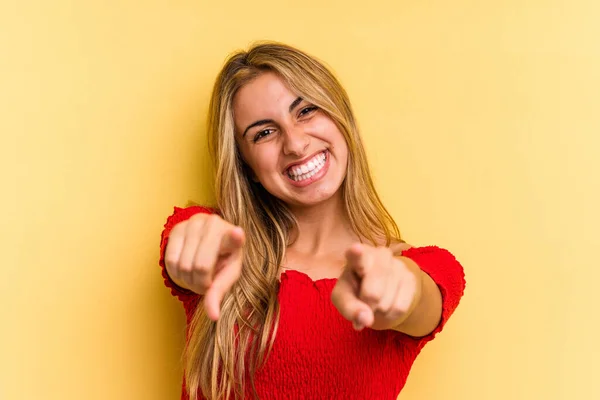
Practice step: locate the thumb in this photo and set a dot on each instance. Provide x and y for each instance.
(344, 297)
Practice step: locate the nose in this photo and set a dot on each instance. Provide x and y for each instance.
(295, 141)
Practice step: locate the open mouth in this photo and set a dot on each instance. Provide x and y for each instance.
(304, 172)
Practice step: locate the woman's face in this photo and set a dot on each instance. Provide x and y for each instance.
(294, 149)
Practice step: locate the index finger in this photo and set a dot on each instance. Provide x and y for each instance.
(232, 240)
(226, 276)
(221, 284)
(344, 298)
(359, 259)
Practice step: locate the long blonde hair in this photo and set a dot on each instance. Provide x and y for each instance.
(219, 357)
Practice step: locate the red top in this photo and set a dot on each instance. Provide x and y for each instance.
(317, 353)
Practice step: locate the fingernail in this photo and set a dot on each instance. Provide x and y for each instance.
(362, 318)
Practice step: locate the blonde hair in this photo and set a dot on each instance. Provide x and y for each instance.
(220, 356)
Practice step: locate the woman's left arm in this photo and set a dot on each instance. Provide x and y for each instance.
(442, 275)
(426, 308)
(413, 290)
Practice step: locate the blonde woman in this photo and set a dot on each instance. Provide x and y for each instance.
(298, 284)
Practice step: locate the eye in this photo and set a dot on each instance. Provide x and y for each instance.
(307, 110)
(260, 134)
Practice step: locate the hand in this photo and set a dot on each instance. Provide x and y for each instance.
(376, 289)
(204, 254)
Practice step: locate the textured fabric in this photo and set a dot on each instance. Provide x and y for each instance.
(317, 354)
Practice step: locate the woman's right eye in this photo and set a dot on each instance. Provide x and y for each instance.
(261, 134)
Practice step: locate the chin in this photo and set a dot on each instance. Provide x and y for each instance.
(308, 197)
(311, 200)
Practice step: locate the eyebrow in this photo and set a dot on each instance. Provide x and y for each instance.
(295, 104)
(268, 121)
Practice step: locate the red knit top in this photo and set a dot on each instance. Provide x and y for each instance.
(317, 353)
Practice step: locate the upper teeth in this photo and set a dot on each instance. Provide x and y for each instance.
(307, 169)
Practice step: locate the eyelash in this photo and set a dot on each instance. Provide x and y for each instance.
(308, 109)
(258, 135)
(303, 112)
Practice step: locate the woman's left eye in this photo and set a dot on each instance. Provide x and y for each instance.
(307, 110)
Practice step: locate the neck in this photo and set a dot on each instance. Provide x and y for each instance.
(321, 227)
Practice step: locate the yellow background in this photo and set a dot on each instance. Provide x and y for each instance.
(481, 118)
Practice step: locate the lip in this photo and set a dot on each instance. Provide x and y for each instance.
(302, 161)
(313, 178)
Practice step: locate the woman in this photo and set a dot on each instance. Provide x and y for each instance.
(299, 285)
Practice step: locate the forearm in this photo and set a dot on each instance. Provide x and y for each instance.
(426, 311)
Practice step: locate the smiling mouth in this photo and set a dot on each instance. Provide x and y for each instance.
(307, 170)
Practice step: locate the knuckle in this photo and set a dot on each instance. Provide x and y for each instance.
(201, 267)
(184, 271)
(184, 266)
(213, 219)
(398, 309)
(409, 280)
(395, 275)
(401, 264)
(384, 307)
(196, 222)
(171, 261)
(198, 217)
(370, 295)
(172, 271)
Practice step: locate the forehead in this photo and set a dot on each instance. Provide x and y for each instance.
(263, 97)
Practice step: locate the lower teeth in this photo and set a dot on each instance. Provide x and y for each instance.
(304, 176)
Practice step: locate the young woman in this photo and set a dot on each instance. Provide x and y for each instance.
(298, 284)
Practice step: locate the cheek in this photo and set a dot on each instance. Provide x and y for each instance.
(340, 148)
(334, 136)
(264, 163)
(252, 162)
(263, 166)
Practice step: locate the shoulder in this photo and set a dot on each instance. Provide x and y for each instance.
(398, 248)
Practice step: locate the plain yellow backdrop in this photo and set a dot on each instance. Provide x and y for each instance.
(481, 120)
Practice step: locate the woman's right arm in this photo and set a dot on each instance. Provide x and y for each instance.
(201, 253)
